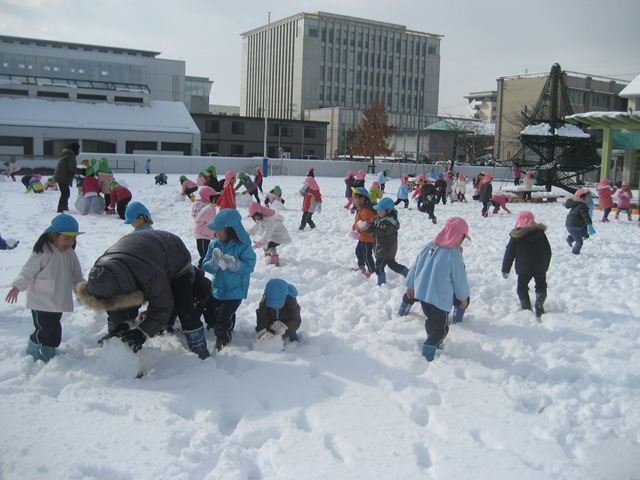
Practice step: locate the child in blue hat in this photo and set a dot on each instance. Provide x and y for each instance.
(278, 313)
(385, 239)
(49, 277)
(138, 216)
(231, 259)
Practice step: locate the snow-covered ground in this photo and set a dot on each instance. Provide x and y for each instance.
(507, 398)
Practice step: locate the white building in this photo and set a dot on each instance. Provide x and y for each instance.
(110, 100)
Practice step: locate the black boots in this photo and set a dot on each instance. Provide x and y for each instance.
(541, 296)
(525, 303)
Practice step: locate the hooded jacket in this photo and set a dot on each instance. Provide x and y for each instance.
(530, 249)
(578, 217)
(385, 238)
(138, 268)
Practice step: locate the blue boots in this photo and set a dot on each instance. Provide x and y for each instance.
(382, 278)
(40, 352)
(429, 351)
(458, 314)
(404, 308)
(197, 343)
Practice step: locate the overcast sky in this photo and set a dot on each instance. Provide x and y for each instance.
(483, 39)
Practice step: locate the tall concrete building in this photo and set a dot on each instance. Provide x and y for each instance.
(300, 66)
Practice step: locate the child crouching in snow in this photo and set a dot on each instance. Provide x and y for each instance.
(278, 313)
(529, 247)
(435, 279)
(271, 226)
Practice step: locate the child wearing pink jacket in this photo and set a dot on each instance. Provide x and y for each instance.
(203, 212)
(624, 200)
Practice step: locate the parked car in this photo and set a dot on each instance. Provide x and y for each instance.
(213, 154)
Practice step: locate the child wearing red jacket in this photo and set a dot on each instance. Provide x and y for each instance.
(91, 192)
(228, 197)
(120, 198)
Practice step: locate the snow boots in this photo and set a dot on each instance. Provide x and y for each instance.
(403, 311)
(525, 303)
(458, 314)
(40, 352)
(541, 296)
(197, 343)
(382, 278)
(429, 351)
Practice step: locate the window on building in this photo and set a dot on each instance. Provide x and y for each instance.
(432, 50)
(237, 128)
(576, 97)
(211, 126)
(309, 132)
(313, 32)
(600, 100)
(133, 146)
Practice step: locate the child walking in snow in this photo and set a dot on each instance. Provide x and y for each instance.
(529, 247)
(578, 222)
(278, 313)
(385, 239)
(258, 178)
(203, 212)
(270, 225)
(403, 191)
(605, 200)
(436, 278)
(624, 200)
(349, 178)
(311, 200)
(49, 277)
(231, 260)
(485, 193)
(365, 216)
(375, 193)
(460, 188)
(528, 184)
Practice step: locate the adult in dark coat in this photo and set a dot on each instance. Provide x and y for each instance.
(529, 247)
(66, 169)
(145, 266)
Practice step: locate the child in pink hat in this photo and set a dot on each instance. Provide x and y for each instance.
(437, 277)
(203, 212)
(349, 178)
(624, 200)
(605, 200)
(270, 226)
(529, 247)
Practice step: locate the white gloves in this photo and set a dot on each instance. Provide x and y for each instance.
(220, 261)
(278, 328)
(354, 234)
(229, 262)
(264, 335)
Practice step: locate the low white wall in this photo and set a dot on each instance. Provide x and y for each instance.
(192, 165)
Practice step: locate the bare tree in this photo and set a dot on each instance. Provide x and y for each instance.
(373, 133)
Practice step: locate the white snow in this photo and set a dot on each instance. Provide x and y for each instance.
(507, 398)
(544, 130)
